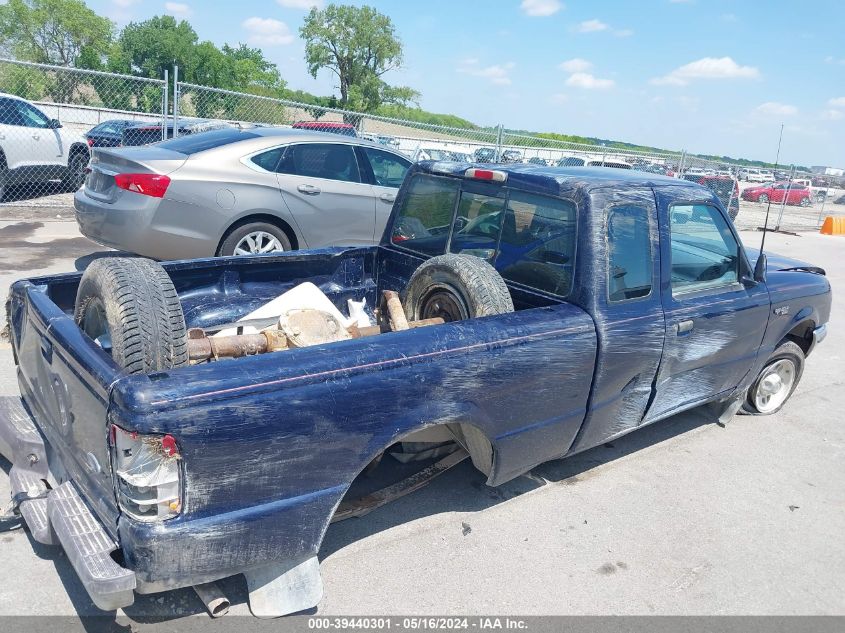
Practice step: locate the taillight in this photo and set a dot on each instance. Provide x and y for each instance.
(154, 185)
(147, 474)
(90, 142)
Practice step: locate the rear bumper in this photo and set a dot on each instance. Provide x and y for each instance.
(152, 227)
(62, 517)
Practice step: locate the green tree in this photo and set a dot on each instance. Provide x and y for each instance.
(359, 45)
(60, 32)
(157, 44)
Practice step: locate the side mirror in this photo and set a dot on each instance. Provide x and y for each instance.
(54, 124)
(760, 269)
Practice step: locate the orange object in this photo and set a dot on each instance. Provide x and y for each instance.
(833, 226)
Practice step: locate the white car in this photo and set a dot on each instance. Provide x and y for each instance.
(36, 149)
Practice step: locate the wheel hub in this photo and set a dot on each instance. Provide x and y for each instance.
(774, 386)
(258, 242)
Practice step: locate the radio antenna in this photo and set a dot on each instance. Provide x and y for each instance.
(769, 205)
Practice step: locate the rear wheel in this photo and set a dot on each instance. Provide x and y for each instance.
(255, 238)
(130, 308)
(776, 381)
(806, 202)
(75, 172)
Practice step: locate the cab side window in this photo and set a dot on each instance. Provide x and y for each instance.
(629, 258)
(704, 252)
(321, 160)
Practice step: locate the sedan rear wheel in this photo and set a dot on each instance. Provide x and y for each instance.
(805, 202)
(255, 238)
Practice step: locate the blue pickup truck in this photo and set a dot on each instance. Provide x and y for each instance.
(573, 306)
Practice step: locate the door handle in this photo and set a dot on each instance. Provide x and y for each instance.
(308, 190)
(388, 197)
(685, 327)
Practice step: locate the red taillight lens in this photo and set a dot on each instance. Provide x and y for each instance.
(154, 185)
(90, 142)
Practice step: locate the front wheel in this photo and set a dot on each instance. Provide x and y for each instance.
(763, 199)
(776, 381)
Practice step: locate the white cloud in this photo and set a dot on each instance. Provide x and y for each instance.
(838, 102)
(773, 108)
(592, 26)
(589, 82)
(497, 73)
(541, 8)
(832, 115)
(123, 4)
(304, 5)
(707, 68)
(179, 9)
(575, 65)
(267, 31)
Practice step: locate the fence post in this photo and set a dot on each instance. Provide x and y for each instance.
(164, 104)
(499, 132)
(175, 101)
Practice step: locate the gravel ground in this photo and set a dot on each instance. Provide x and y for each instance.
(682, 517)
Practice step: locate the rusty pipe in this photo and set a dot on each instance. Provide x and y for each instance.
(213, 598)
(398, 320)
(202, 347)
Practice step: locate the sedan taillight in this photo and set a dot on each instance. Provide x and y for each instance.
(154, 185)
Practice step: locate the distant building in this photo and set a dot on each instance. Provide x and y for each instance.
(827, 171)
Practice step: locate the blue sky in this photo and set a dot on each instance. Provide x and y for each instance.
(709, 76)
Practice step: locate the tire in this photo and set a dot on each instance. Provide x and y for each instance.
(787, 353)
(75, 171)
(237, 239)
(806, 202)
(130, 308)
(456, 287)
(763, 199)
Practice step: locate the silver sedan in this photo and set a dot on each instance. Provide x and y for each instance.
(236, 192)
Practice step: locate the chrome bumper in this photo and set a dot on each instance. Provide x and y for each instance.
(63, 515)
(819, 335)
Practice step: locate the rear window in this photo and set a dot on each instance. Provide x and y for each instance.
(194, 143)
(422, 224)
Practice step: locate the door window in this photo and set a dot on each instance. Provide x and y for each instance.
(388, 169)
(9, 114)
(704, 252)
(629, 263)
(30, 116)
(321, 160)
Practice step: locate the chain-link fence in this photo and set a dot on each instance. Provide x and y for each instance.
(60, 113)
(50, 116)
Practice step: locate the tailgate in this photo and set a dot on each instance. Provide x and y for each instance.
(65, 380)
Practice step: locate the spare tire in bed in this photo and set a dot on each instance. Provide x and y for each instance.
(455, 287)
(129, 306)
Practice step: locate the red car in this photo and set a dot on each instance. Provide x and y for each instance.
(327, 126)
(795, 194)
